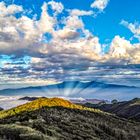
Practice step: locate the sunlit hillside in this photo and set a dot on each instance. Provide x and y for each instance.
(43, 102)
(64, 123)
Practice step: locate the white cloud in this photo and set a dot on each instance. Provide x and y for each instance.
(123, 52)
(71, 47)
(77, 12)
(67, 34)
(27, 26)
(119, 47)
(74, 22)
(46, 22)
(133, 27)
(100, 4)
(57, 6)
(10, 102)
(11, 9)
(23, 34)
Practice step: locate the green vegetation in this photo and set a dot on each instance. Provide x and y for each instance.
(58, 119)
(114, 101)
(16, 132)
(127, 109)
(66, 124)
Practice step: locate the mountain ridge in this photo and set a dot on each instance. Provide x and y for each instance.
(43, 102)
(72, 82)
(69, 84)
(76, 89)
(126, 109)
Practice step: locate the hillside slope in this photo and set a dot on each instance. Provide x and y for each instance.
(127, 109)
(43, 102)
(58, 119)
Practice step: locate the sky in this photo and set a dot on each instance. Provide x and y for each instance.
(49, 41)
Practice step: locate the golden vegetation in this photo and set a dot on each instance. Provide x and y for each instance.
(43, 102)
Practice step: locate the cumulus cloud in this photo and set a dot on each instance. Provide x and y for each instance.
(67, 34)
(119, 47)
(64, 51)
(133, 27)
(23, 34)
(74, 22)
(100, 4)
(11, 9)
(123, 52)
(71, 52)
(77, 12)
(26, 35)
(46, 22)
(56, 6)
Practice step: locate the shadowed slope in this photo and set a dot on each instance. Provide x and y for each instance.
(59, 123)
(127, 109)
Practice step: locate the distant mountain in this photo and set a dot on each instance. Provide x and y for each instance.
(83, 101)
(76, 89)
(73, 100)
(55, 118)
(127, 109)
(28, 98)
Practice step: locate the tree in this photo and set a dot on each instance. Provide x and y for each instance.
(114, 101)
(102, 103)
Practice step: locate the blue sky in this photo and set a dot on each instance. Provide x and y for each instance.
(105, 25)
(43, 42)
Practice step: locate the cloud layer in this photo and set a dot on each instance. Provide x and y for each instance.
(51, 49)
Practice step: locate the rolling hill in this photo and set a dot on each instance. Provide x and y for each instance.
(127, 109)
(59, 119)
(43, 102)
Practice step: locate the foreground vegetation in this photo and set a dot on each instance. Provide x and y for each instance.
(62, 120)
